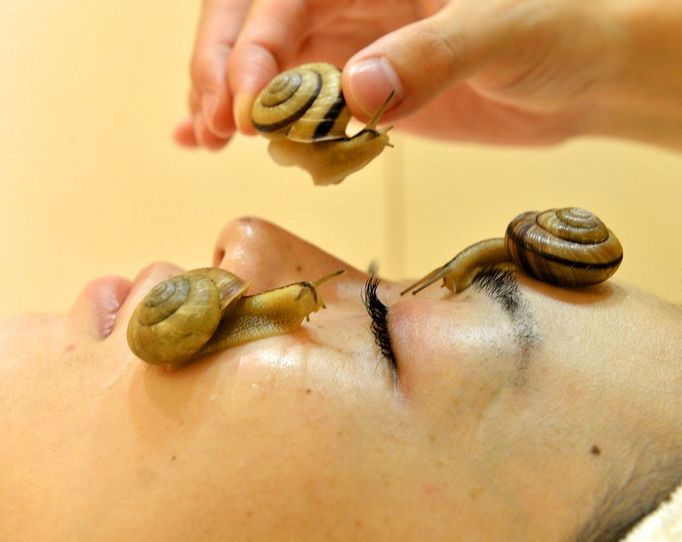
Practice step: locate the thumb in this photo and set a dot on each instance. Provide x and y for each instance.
(416, 62)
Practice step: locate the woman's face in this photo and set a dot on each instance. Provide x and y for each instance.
(508, 412)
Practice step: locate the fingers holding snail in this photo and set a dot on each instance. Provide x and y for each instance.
(303, 113)
(304, 104)
(270, 37)
(210, 122)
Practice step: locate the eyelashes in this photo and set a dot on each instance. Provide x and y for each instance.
(498, 283)
(378, 312)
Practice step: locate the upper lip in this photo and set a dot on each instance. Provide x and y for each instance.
(107, 295)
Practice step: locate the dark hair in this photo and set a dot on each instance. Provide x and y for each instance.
(623, 508)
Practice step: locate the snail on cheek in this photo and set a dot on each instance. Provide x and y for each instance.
(304, 114)
(205, 310)
(568, 247)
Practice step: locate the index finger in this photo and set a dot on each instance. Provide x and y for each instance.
(219, 26)
(271, 35)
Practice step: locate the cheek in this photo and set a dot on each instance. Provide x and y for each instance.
(300, 457)
(38, 343)
(290, 448)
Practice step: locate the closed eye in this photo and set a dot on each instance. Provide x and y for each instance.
(498, 283)
(378, 312)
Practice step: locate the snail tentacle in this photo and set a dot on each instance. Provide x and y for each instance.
(459, 273)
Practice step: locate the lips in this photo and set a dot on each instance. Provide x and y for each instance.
(106, 295)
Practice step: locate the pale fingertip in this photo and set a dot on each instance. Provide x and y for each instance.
(213, 142)
(204, 137)
(183, 134)
(242, 113)
(209, 104)
(217, 115)
(199, 128)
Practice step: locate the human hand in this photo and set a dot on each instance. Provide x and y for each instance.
(241, 45)
(500, 71)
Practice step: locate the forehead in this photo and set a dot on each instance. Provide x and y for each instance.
(610, 316)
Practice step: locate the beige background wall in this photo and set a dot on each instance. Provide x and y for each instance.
(91, 184)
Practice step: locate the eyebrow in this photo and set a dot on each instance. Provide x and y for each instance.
(502, 286)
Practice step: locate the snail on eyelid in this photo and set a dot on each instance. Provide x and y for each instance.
(205, 310)
(304, 114)
(568, 247)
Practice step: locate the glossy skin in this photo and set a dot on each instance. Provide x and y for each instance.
(523, 72)
(496, 428)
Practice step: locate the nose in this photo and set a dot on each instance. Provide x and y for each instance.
(268, 256)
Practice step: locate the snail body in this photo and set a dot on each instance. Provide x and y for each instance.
(205, 310)
(568, 247)
(304, 114)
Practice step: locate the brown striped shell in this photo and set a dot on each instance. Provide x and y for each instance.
(179, 315)
(304, 114)
(205, 310)
(303, 104)
(568, 247)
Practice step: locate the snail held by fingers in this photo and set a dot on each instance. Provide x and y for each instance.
(568, 247)
(205, 310)
(304, 114)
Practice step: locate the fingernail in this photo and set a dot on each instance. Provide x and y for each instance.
(371, 81)
(184, 133)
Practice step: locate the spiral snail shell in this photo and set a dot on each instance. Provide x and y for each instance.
(205, 310)
(304, 114)
(568, 247)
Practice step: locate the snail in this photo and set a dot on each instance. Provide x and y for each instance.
(304, 114)
(205, 310)
(568, 247)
